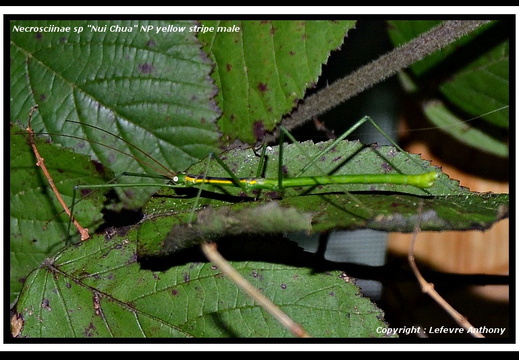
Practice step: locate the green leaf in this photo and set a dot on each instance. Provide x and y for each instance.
(483, 86)
(153, 88)
(98, 289)
(38, 225)
(265, 68)
(389, 207)
(472, 76)
(445, 119)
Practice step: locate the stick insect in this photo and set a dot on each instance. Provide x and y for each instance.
(280, 183)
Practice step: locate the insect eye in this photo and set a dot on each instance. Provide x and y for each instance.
(175, 179)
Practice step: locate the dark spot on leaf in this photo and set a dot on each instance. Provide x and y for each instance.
(273, 195)
(150, 44)
(228, 67)
(392, 152)
(43, 97)
(386, 167)
(133, 258)
(186, 277)
(283, 286)
(89, 331)
(262, 87)
(38, 36)
(174, 292)
(85, 192)
(110, 232)
(258, 130)
(291, 53)
(96, 300)
(45, 304)
(331, 293)
(146, 68)
(100, 168)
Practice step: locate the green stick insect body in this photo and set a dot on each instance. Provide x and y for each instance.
(422, 181)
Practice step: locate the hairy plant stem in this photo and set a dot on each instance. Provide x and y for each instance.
(378, 70)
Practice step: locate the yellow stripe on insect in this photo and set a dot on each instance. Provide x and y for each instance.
(216, 180)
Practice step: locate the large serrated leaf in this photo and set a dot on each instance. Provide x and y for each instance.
(98, 289)
(265, 67)
(150, 87)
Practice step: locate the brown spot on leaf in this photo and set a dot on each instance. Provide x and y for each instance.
(262, 87)
(386, 167)
(16, 324)
(258, 130)
(45, 304)
(89, 330)
(85, 192)
(96, 299)
(146, 68)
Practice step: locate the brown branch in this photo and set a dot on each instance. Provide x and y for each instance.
(41, 163)
(428, 288)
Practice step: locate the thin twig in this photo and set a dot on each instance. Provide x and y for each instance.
(216, 258)
(41, 163)
(428, 288)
